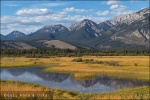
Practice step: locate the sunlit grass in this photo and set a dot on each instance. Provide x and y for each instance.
(26, 62)
(21, 86)
(17, 88)
(83, 76)
(133, 67)
(13, 90)
(141, 93)
(130, 67)
(126, 68)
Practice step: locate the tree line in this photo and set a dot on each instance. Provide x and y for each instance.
(47, 52)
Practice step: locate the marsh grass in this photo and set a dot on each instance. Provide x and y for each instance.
(83, 76)
(77, 60)
(117, 66)
(21, 86)
(7, 62)
(16, 88)
(92, 61)
(130, 67)
(110, 63)
(141, 93)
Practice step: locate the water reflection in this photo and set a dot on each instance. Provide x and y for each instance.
(56, 77)
(86, 82)
(66, 82)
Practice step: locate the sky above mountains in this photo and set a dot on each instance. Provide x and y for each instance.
(29, 16)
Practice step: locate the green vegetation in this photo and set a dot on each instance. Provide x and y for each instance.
(91, 61)
(48, 52)
(7, 62)
(77, 60)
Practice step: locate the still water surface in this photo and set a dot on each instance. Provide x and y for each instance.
(66, 82)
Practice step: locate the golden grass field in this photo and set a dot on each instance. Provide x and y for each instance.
(141, 93)
(130, 67)
(133, 67)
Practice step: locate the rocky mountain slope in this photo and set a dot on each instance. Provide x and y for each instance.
(83, 31)
(124, 31)
(14, 34)
(89, 26)
(2, 36)
(46, 33)
(131, 28)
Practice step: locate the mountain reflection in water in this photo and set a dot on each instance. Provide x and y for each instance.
(65, 82)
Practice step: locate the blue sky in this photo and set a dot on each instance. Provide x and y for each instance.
(29, 16)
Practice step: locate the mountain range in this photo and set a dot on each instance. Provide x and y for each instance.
(125, 31)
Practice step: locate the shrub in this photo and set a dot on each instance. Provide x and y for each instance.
(135, 64)
(77, 60)
(91, 61)
(112, 63)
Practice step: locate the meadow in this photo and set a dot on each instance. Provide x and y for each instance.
(126, 67)
(141, 93)
(130, 67)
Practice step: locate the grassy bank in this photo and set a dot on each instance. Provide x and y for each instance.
(141, 93)
(133, 67)
(12, 87)
(17, 88)
(9, 62)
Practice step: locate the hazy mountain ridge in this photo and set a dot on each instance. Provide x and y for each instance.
(129, 18)
(2, 36)
(14, 34)
(127, 30)
(90, 26)
(137, 31)
(52, 29)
